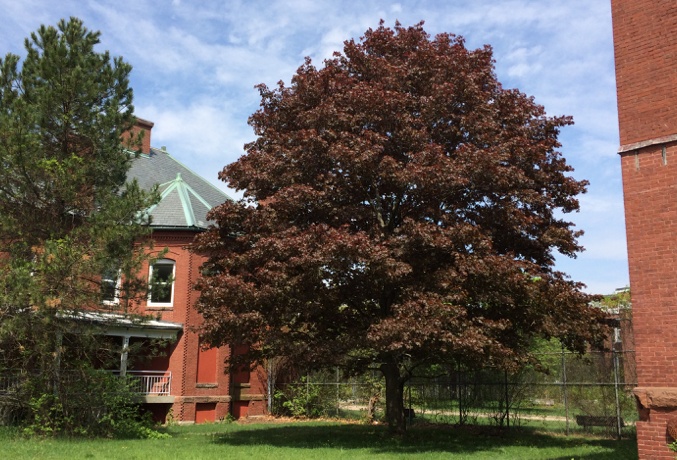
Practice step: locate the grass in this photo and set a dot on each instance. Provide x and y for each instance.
(326, 441)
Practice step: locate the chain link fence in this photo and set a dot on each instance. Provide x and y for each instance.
(568, 393)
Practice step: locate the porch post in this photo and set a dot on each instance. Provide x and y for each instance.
(57, 364)
(123, 356)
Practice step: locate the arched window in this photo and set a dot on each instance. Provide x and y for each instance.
(161, 293)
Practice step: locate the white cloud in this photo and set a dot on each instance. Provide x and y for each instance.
(195, 65)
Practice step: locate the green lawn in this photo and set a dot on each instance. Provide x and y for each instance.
(326, 441)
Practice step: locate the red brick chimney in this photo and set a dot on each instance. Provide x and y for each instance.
(144, 126)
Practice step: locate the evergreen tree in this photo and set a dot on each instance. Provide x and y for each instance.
(67, 215)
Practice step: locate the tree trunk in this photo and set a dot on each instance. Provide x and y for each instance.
(394, 397)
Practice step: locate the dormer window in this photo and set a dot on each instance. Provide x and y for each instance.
(161, 292)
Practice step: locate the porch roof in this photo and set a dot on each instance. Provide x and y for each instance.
(115, 324)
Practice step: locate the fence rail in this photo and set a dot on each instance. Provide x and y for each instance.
(141, 382)
(157, 383)
(9, 382)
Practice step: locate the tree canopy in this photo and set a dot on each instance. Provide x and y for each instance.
(67, 214)
(400, 208)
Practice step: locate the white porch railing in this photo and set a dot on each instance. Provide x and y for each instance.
(150, 382)
(9, 382)
(141, 382)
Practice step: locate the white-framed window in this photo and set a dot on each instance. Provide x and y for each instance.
(110, 286)
(161, 291)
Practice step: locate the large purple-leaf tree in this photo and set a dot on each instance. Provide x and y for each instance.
(401, 208)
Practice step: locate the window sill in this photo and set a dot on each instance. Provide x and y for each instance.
(160, 307)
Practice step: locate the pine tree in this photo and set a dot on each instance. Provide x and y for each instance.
(67, 215)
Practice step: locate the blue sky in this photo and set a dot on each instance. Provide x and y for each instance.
(196, 64)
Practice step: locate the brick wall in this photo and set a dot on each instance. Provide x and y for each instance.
(650, 192)
(645, 45)
(195, 401)
(651, 225)
(652, 439)
(214, 399)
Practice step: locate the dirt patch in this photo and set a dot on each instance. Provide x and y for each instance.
(264, 419)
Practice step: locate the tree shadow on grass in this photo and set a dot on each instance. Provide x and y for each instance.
(431, 439)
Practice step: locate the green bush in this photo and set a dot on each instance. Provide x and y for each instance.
(47, 417)
(92, 403)
(303, 400)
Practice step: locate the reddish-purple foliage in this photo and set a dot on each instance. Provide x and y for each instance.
(401, 208)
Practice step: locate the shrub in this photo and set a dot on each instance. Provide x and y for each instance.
(303, 399)
(92, 403)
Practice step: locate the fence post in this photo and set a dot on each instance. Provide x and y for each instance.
(507, 405)
(614, 354)
(269, 385)
(411, 415)
(57, 366)
(459, 392)
(338, 392)
(564, 391)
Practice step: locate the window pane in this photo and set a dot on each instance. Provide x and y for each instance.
(162, 280)
(109, 283)
(163, 272)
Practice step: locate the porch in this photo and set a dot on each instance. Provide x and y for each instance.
(153, 382)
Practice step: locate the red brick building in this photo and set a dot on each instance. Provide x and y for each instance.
(186, 381)
(645, 45)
